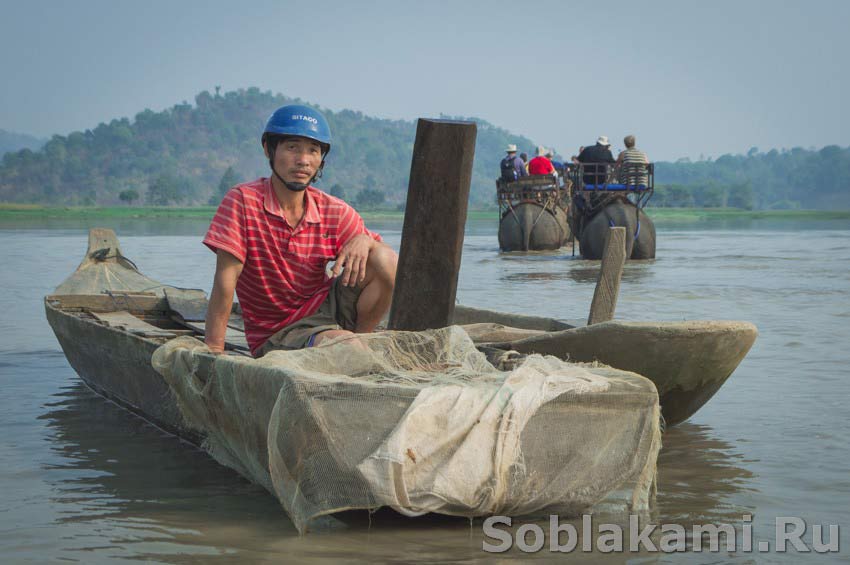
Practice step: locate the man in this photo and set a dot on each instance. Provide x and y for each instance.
(273, 238)
(512, 167)
(631, 164)
(559, 167)
(540, 165)
(600, 154)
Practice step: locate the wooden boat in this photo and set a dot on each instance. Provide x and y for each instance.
(110, 319)
(348, 426)
(533, 214)
(109, 328)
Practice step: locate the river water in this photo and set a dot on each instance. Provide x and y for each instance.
(82, 480)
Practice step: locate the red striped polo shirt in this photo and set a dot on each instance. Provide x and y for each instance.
(283, 274)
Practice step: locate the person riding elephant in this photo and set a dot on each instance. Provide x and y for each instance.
(597, 157)
(640, 231)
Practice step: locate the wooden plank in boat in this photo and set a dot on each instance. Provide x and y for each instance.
(191, 306)
(235, 321)
(467, 315)
(114, 301)
(190, 303)
(132, 324)
(232, 338)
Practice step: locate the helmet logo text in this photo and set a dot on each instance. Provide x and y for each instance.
(310, 119)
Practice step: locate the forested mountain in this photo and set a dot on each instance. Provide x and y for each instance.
(190, 153)
(796, 178)
(11, 141)
(182, 156)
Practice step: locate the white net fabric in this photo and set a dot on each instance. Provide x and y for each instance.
(421, 422)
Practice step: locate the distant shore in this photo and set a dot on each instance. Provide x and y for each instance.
(22, 211)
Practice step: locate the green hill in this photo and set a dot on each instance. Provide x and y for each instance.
(190, 153)
(180, 156)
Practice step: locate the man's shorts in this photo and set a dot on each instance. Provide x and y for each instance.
(337, 312)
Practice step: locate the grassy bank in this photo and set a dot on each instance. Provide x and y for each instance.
(35, 211)
(700, 214)
(660, 214)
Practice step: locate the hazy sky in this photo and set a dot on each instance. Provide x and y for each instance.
(687, 78)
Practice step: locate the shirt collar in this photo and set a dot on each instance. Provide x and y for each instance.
(272, 206)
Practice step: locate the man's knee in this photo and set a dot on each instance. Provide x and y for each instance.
(329, 334)
(382, 263)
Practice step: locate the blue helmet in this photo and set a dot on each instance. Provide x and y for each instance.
(300, 121)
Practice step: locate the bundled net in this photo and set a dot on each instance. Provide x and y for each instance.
(421, 422)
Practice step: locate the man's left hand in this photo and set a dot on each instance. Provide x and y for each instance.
(353, 257)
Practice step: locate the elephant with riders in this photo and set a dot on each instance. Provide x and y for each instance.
(609, 193)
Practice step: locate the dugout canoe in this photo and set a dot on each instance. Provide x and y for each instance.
(687, 361)
(315, 429)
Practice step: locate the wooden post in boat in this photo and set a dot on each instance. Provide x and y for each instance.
(434, 220)
(608, 284)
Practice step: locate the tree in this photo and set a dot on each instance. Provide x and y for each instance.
(710, 196)
(338, 191)
(741, 196)
(166, 189)
(369, 198)
(228, 181)
(669, 196)
(129, 196)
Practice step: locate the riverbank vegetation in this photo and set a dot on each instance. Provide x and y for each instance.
(776, 180)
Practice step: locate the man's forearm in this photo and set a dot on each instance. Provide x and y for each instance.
(218, 312)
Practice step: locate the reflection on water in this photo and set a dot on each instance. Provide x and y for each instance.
(83, 480)
(104, 484)
(582, 272)
(560, 264)
(694, 457)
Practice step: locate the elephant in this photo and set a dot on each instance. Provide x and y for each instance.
(529, 226)
(640, 231)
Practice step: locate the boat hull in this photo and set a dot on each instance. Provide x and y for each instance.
(688, 361)
(116, 363)
(117, 366)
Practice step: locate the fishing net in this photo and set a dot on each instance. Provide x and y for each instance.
(421, 422)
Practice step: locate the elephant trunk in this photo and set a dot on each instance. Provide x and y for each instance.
(527, 225)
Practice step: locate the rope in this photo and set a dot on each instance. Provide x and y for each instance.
(102, 255)
(612, 224)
